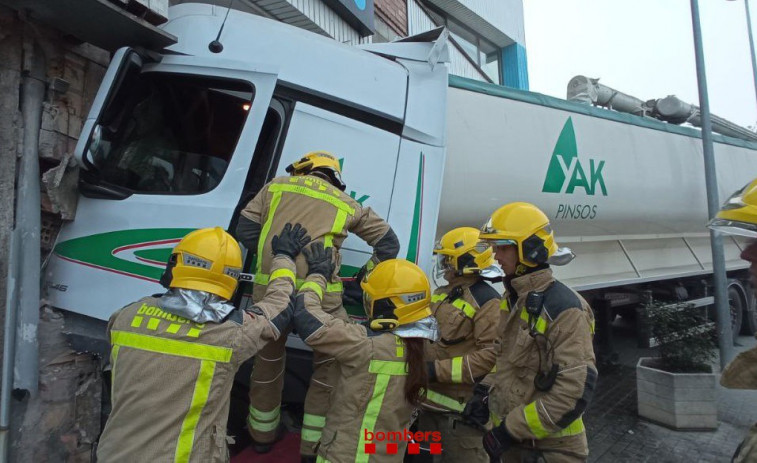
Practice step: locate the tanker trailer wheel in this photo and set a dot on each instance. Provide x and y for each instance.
(736, 303)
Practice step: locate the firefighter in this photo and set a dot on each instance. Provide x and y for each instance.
(314, 197)
(546, 374)
(738, 216)
(467, 310)
(381, 371)
(174, 356)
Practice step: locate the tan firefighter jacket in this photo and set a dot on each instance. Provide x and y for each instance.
(172, 377)
(327, 213)
(565, 326)
(467, 310)
(369, 393)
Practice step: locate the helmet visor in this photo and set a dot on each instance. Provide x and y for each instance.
(367, 304)
(441, 265)
(733, 227)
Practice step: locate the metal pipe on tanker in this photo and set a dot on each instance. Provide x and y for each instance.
(751, 46)
(725, 336)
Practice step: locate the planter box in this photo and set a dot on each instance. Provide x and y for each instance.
(684, 401)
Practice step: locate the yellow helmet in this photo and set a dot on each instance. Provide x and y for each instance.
(462, 251)
(319, 160)
(208, 259)
(738, 215)
(523, 225)
(396, 292)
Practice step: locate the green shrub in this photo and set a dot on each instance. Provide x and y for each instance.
(685, 336)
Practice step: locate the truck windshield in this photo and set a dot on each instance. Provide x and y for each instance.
(168, 133)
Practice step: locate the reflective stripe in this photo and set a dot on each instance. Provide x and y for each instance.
(438, 297)
(256, 414)
(263, 426)
(282, 273)
(262, 279)
(314, 287)
(467, 309)
(339, 221)
(113, 358)
(457, 369)
(372, 410)
(445, 401)
(301, 190)
(541, 324)
(503, 305)
(275, 200)
(320, 459)
(199, 399)
(193, 350)
(387, 367)
(592, 326)
(314, 421)
(534, 423)
(573, 429)
(310, 435)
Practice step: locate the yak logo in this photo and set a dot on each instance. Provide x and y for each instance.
(566, 173)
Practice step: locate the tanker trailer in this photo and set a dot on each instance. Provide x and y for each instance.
(626, 193)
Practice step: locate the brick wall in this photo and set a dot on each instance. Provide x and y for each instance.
(394, 14)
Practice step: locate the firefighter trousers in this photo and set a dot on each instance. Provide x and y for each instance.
(460, 441)
(570, 449)
(267, 382)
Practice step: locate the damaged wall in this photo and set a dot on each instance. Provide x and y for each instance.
(62, 421)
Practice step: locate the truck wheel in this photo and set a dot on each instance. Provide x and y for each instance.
(749, 320)
(736, 304)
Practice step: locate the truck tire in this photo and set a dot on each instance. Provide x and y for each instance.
(749, 320)
(737, 304)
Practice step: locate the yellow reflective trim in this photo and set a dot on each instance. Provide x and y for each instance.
(400, 352)
(282, 273)
(314, 287)
(495, 419)
(199, 399)
(136, 322)
(275, 200)
(193, 333)
(503, 305)
(467, 309)
(387, 367)
(438, 297)
(534, 423)
(263, 426)
(457, 369)
(541, 324)
(336, 228)
(173, 328)
(176, 347)
(113, 358)
(592, 326)
(302, 190)
(445, 401)
(573, 429)
(337, 287)
(322, 187)
(310, 435)
(372, 410)
(320, 459)
(261, 415)
(314, 421)
(153, 323)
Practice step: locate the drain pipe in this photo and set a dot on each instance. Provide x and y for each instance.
(28, 218)
(20, 350)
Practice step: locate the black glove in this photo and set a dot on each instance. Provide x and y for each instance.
(353, 292)
(497, 441)
(476, 411)
(290, 241)
(319, 260)
(431, 371)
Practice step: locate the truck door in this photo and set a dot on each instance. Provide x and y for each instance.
(166, 149)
